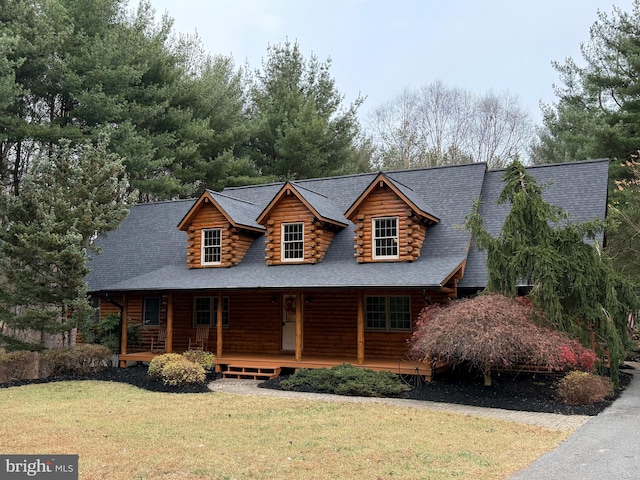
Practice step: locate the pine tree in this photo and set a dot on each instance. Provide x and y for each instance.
(46, 234)
(572, 280)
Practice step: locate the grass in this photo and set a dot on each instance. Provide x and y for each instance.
(121, 432)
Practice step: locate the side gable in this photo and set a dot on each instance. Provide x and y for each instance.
(233, 234)
(318, 216)
(387, 198)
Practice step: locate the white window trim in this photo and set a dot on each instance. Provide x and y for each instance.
(202, 246)
(374, 238)
(282, 242)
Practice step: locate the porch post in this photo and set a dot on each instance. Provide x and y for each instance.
(169, 341)
(299, 303)
(123, 331)
(219, 326)
(360, 328)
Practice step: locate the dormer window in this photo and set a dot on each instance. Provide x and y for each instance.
(211, 246)
(385, 238)
(292, 242)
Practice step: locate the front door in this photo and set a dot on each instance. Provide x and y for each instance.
(289, 307)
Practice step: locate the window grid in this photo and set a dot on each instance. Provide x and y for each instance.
(205, 311)
(388, 313)
(385, 237)
(292, 242)
(211, 246)
(151, 311)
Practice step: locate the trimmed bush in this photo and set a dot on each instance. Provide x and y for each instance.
(158, 363)
(80, 360)
(181, 371)
(346, 379)
(20, 365)
(584, 388)
(205, 359)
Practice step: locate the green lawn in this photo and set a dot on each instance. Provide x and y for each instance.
(121, 432)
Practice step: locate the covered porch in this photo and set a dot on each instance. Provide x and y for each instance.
(264, 366)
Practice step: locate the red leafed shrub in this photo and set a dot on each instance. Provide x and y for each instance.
(494, 331)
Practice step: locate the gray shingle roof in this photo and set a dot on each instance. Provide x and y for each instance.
(413, 197)
(241, 211)
(148, 252)
(325, 207)
(579, 188)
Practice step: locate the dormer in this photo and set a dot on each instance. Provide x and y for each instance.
(220, 229)
(300, 225)
(391, 222)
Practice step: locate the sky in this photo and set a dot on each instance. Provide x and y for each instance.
(379, 47)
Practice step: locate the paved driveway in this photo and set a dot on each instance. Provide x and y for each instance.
(607, 447)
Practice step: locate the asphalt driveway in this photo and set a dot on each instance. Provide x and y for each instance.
(606, 447)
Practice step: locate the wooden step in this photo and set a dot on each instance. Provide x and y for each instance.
(251, 372)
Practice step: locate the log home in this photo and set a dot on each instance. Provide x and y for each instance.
(311, 273)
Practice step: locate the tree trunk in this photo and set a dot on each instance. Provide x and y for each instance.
(487, 375)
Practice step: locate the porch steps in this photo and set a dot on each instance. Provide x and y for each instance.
(251, 372)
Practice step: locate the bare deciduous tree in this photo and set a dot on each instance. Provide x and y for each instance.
(440, 125)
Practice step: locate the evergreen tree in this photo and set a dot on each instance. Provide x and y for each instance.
(572, 281)
(300, 129)
(46, 233)
(598, 111)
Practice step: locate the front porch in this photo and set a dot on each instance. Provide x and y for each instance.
(264, 366)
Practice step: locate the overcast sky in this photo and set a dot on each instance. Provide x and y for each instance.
(379, 47)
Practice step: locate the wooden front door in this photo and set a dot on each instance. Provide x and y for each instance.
(289, 307)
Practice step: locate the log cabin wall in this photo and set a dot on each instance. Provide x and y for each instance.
(317, 236)
(383, 202)
(235, 241)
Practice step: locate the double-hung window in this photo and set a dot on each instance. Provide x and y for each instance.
(151, 314)
(388, 313)
(211, 246)
(292, 242)
(205, 311)
(385, 238)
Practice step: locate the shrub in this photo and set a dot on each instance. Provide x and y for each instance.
(182, 372)
(158, 363)
(205, 359)
(583, 388)
(346, 379)
(18, 366)
(80, 360)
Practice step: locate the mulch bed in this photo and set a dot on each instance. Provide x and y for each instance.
(525, 392)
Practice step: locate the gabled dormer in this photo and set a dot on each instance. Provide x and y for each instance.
(391, 222)
(220, 229)
(300, 225)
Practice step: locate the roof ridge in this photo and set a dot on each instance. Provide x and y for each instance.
(231, 198)
(399, 182)
(558, 164)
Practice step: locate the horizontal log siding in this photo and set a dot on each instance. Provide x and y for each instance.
(383, 202)
(255, 324)
(235, 241)
(317, 237)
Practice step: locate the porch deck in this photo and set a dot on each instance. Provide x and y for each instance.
(402, 366)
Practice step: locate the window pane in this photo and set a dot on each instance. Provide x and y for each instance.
(376, 316)
(202, 311)
(385, 237)
(151, 311)
(225, 311)
(211, 245)
(293, 241)
(399, 313)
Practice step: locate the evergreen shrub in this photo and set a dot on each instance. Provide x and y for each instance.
(345, 379)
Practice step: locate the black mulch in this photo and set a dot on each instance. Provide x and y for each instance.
(526, 392)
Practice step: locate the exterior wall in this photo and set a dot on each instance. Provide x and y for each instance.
(317, 237)
(383, 202)
(255, 323)
(235, 242)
